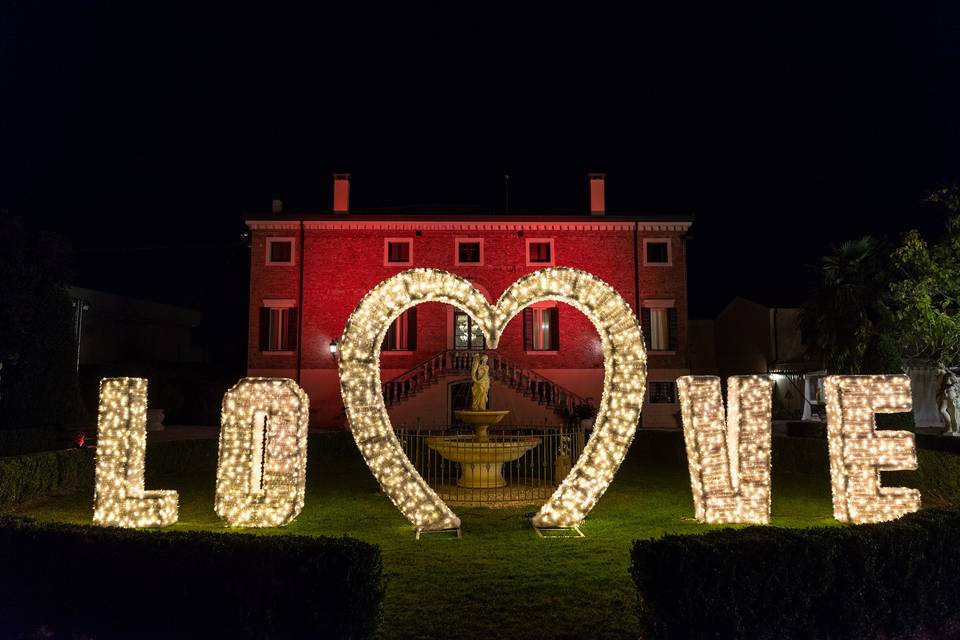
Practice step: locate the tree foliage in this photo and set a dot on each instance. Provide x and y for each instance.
(38, 382)
(846, 320)
(926, 289)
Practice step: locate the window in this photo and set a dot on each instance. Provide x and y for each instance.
(541, 328)
(659, 321)
(466, 333)
(469, 251)
(663, 393)
(540, 252)
(402, 334)
(279, 251)
(278, 327)
(656, 252)
(398, 251)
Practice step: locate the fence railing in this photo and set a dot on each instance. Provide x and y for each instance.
(466, 472)
(525, 381)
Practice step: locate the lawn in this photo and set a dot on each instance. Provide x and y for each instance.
(500, 580)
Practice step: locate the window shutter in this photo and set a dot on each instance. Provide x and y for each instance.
(528, 329)
(555, 329)
(291, 329)
(412, 329)
(645, 325)
(264, 328)
(673, 329)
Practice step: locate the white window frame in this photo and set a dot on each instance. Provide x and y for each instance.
(398, 352)
(553, 252)
(668, 263)
(285, 303)
(676, 392)
(386, 252)
(456, 252)
(540, 306)
(293, 251)
(659, 304)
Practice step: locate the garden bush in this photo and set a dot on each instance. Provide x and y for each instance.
(36, 475)
(116, 583)
(894, 579)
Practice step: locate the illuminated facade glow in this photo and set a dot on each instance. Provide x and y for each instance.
(119, 497)
(624, 382)
(262, 467)
(858, 452)
(728, 455)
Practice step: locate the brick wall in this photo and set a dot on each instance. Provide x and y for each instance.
(341, 265)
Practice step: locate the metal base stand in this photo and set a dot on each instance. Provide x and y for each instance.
(457, 529)
(556, 532)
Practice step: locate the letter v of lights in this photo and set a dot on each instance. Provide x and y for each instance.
(728, 456)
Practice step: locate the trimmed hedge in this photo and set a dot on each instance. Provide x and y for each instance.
(884, 580)
(36, 475)
(116, 583)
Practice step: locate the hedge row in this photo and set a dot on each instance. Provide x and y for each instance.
(895, 579)
(114, 583)
(37, 475)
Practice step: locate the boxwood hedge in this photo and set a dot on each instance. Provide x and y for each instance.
(895, 579)
(75, 580)
(36, 475)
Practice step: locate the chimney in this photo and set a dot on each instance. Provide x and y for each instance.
(341, 192)
(598, 205)
(276, 205)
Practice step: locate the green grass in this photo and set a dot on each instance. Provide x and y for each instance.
(500, 580)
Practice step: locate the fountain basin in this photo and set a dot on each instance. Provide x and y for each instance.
(481, 462)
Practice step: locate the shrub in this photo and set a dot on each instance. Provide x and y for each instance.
(892, 579)
(116, 583)
(36, 475)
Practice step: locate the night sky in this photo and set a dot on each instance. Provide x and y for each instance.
(144, 134)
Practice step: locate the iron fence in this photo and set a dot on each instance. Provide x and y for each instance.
(517, 465)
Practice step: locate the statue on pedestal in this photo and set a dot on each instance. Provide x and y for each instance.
(948, 401)
(480, 375)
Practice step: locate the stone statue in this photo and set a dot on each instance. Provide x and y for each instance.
(480, 375)
(948, 401)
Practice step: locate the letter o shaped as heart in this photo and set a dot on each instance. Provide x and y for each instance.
(624, 383)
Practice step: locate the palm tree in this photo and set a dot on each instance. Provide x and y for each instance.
(841, 321)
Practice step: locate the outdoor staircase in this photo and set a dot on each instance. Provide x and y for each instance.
(529, 384)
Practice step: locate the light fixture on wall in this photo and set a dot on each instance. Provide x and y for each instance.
(333, 348)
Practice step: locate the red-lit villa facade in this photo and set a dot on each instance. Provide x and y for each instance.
(308, 272)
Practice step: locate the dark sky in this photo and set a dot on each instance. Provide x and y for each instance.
(144, 132)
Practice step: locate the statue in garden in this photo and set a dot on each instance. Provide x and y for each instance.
(948, 401)
(480, 375)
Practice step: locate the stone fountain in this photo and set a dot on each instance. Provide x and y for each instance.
(481, 457)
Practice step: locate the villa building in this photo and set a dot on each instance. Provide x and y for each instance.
(309, 271)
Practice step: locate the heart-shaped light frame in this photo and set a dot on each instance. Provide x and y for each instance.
(624, 382)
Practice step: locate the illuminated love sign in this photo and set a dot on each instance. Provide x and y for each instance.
(263, 439)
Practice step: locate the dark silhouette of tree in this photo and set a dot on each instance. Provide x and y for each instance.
(38, 382)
